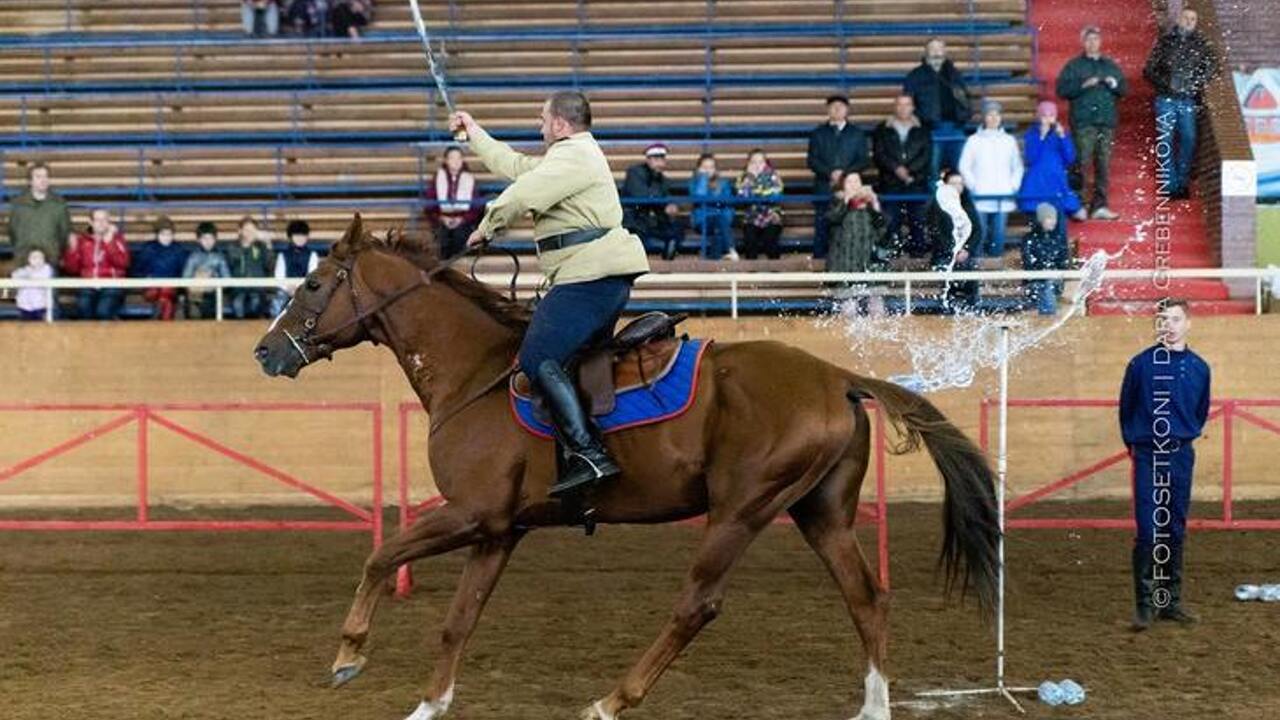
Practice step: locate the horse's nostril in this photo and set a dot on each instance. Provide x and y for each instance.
(260, 353)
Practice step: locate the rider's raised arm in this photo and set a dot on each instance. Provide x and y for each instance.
(499, 157)
(554, 179)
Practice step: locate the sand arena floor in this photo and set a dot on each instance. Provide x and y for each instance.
(151, 626)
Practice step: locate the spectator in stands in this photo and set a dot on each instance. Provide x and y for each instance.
(33, 302)
(857, 226)
(38, 219)
(1049, 152)
(951, 227)
(98, 253)
(1045, 248)
(161, 258)
(261, 18)
(452, 209)
(902, 156)
(942, 103)
(351, 17)
(762, 221)
(992, 170)
(836, 148)
(713, 220)
(297, 261)
(1092, 82)
(250, 257)
(1181, 66)
(655, 223)
(207, 261)
(305, 17)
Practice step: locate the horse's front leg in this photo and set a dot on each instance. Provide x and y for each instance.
(479, 577)
(444, 528)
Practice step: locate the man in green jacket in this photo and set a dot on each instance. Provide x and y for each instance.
(1092, 82)
(38, 219)
(589, 259)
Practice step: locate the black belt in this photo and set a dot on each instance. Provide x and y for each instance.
(569, 239)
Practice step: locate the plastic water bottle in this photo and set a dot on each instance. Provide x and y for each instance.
(1248, 592)
(1270, 593)
(1073, 693)
(1050, 693)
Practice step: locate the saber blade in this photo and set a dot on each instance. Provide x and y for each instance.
(432, 67)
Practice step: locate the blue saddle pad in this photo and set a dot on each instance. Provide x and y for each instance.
(666, 398)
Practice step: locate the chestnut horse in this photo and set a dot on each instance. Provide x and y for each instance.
(773, 429)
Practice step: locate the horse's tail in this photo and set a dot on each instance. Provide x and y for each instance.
(971, 529)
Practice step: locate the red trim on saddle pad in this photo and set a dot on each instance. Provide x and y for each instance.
(693, 394)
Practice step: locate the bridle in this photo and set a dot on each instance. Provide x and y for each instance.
(316, 300)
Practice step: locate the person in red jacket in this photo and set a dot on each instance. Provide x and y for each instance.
(99, 253)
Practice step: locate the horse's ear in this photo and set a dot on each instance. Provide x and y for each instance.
(354, 238)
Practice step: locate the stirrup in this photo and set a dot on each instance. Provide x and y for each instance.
(580, 482)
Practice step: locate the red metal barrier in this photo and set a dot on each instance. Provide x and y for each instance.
(409, 511)
(1227, 410)
(144, 415)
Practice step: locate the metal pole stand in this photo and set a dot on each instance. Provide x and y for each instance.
(1001, 469)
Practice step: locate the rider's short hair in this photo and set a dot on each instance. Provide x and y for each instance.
(572, 107)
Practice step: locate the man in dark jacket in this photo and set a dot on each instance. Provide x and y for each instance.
(654, 222)
(38, 219)
(1164, 404)
(1180, 67)
(1093, 82)
(836, 147)
(902, 151)
(942, 103)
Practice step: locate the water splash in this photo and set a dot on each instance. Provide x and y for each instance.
(970, 344)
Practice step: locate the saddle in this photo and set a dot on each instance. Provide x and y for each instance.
(636, 356)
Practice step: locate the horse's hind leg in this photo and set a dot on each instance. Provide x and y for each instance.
(825, 516)
(698, 605)
(439, 530)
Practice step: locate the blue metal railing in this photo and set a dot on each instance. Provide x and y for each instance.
(32, 107)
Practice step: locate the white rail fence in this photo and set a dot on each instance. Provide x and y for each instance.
(730, 286)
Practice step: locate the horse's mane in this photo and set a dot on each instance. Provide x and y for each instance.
(420, 250)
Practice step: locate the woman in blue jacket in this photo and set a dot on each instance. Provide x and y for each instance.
(1049, 152)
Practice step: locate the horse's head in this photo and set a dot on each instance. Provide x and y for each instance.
(324, 314)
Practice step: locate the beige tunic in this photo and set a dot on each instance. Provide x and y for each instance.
(569, 188)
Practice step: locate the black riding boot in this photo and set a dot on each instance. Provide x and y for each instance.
(1144, 587)
(587, 461)
(1174, 610)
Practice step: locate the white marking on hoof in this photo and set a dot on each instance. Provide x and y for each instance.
(875, 703)
(434, 709)
(597, 712)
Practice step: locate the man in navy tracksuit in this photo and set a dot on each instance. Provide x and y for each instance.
(1164, 402)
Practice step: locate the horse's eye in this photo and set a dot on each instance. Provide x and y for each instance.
(313, 284)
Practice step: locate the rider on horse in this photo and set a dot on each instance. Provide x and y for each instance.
(589, 260)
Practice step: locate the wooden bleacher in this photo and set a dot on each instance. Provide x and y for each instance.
(97, 16)
(264, 163)
(332, 61)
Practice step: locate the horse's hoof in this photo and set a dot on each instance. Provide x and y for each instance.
(596, 712)
(346, 673)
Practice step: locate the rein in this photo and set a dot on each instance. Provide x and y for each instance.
(361, 316)
(319, 343)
